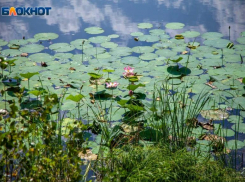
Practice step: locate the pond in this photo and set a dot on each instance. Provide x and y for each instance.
(82, 47)
(70, 18)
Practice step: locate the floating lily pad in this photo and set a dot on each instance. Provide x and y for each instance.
(130, 60)
(174, 70)
(166, 53)
(113, 36)
(63, 55)
(94, 51)
(99, 39)
(235, 144)
(174, 81)
(239, 127)
(103, 56)
(41, 57)
(32, 48)
(81, 44)
(175, 25)
(145, 25)
(239, 101)
(190, 34)
(162, 45)
(212, 35)
(61, 47)
(136, 34)
(157, 32)
(226, 132)
(32, 40)
(109, 45)
(241, 40)
(18, 42)
(46, 36)
(94, 30)
(143, 49)
(3, 42)
(215, 114)
(242, 113)
(10, 52)
(235, 119)
(121, 51)
(148, 56)
(219, 43)
(149, 38)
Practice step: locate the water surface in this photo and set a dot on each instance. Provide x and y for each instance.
(69, 18)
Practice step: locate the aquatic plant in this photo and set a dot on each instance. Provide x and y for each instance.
(174, 96)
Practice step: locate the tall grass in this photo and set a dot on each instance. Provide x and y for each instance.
(173, 115)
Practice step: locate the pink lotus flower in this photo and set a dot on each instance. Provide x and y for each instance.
(112, 85)
(128, 71)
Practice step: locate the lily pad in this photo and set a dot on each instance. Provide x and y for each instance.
(3, 42)
(215, 114)
(190, 34)
(145, 25)
(94, 51)
(81, 44)
(94, 30)
(32, 48)
(235, 144)
(175, 25)
(63, 55)
(166, 53)
(136, 34)
(113, 36)
(99, 39)
(212, 35)
(46, 36)
(41, 57)
(61, 47)
(143, 49)
(109, 45)
(235, 119)
(148, 56)
(239, 127)
(239, 102)
(219, 43)
(157, 32)
(241, 40)
(130, 60)
(121, 51)
(226, 132)
(18, 42)
(149, 38)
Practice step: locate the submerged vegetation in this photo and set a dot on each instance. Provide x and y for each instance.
(176, 112)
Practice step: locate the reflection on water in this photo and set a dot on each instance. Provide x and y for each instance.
(121, 17)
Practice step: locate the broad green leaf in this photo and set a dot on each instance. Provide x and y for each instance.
(95, 75)
(134, 87)
(28, 75)
(75, 98)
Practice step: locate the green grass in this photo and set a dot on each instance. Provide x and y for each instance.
(159, 163)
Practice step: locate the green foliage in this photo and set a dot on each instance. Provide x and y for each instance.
(134, 87)
(158, 163)
(139, 136)
(106, 70)
(176, 60)
(28, 75)
(76, 98)
(95, 75)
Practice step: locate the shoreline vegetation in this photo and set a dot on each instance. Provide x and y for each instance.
(108, 116)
